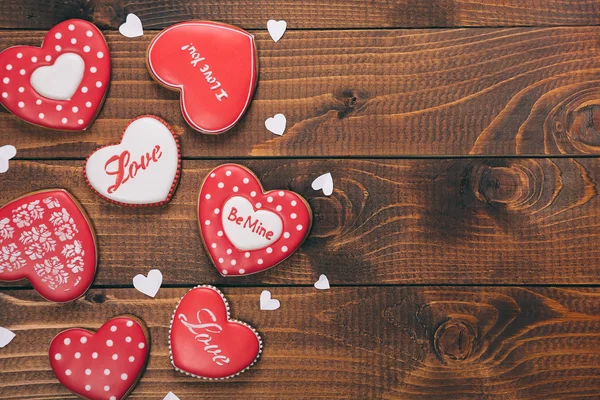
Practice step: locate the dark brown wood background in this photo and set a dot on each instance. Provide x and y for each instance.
(462, 238)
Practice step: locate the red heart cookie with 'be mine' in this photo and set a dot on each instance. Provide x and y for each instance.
(46, 237)
(205, 342)
(244, 229)
(213, 65)
(60, 85)
(104, 365)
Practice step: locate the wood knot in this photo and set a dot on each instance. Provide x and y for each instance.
(454, 340)
(501, 184)
(95, 298)
(351, 101)
(574, 123)
(583, 124)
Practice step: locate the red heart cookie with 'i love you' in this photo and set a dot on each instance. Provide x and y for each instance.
(205, 342)
(62, 84)
(104, 365)
(213, 65)
(246, 230)
(47, 238)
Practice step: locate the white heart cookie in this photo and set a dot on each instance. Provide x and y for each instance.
(142, 170)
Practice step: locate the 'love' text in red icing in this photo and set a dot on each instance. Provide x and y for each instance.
(204, 332)
(125, 168)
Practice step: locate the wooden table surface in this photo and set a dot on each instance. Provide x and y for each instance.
(462, 237)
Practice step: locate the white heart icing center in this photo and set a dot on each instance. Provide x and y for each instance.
(248, 229)
(61, 80)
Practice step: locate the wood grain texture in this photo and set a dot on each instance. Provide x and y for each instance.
(370, 93)
(345, 343)
(461, 221)
(306, 14)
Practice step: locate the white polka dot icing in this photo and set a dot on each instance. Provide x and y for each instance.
(54, 73)
(246, 229)
(89, 368)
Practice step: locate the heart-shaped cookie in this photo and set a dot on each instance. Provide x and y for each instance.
(205, 342)
(246, 230)
(47, 238)
(103, 365)
(213, 65)
(143, 170)
(61, 85)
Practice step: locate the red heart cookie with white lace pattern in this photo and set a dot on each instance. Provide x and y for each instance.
(205, 342)
(62, 84)
(244, 229)
(104, 365)
(213, 65)
(47, 238)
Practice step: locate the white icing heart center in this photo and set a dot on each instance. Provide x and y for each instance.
(61, 80)
(248, 229)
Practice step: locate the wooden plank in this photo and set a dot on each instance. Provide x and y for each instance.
(370, 93)
(39, 14)
(358, 343)
(461, 221)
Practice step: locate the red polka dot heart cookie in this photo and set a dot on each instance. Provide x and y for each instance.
(62, 84)
(47, 238)
(105, 365)
(213, 65)
(246, 230)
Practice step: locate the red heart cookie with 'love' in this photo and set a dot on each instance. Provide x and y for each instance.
(47, 238)
(143, 170)
(246, 230)
(205, 342)
(213, 65)
(104, 365)
(60, 85)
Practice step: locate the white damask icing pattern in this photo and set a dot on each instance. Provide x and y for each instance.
(41, 242)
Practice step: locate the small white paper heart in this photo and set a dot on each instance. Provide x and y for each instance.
(171, 396)
(6, 336)
(267, 303)
(60, 80)
(324, 182)
(148, 285)
(6, 153)
(276, 124)
(322, 283)
(276, 29)
(132, 27)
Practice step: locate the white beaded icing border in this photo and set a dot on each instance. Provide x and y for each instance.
(260, 343)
